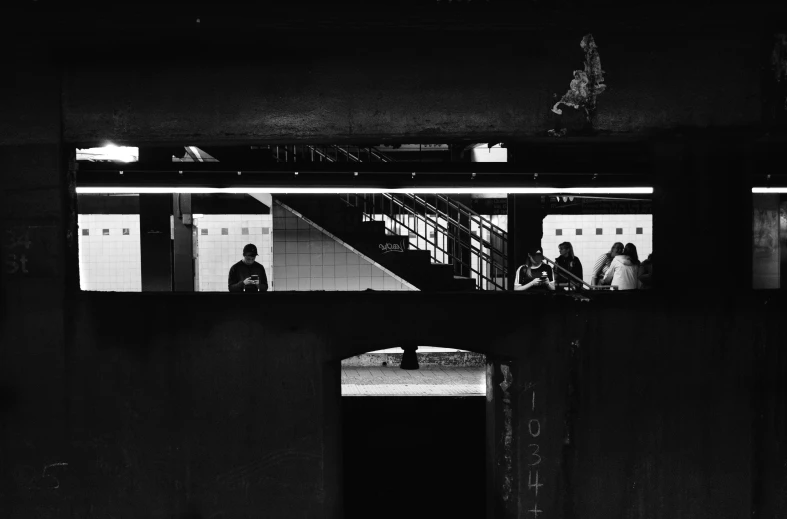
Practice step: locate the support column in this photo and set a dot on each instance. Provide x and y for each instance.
(155, 242)
(703, 202)
(37, 280)
(525, 229)
(183, 251)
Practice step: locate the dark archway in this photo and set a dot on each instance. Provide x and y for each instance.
(420, 453)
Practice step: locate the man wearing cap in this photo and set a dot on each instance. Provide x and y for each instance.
(247, 275)
(534, 274)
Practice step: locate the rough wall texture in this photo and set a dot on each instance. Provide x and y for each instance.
(476, 74)
(625, 406)
(639, 405)
(452, 92)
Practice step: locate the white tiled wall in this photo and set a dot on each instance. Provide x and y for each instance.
(217, 252)
(109, 262)
(589, 246)
(304, 258)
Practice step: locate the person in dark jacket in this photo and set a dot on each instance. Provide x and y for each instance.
(646, 272)
(568, 261)
(241, 274)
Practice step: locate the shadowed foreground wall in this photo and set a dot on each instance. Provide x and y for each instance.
(651, 405)
(226, 406)
(422, 72)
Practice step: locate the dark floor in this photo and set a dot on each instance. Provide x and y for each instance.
(413, 457)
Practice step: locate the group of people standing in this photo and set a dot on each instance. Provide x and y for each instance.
(620, 267)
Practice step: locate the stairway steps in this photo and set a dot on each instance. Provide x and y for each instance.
(370, 239)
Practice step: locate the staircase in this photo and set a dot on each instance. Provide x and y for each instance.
(371, 239)
(433, 242)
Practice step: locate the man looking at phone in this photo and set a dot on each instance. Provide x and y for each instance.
(247, 275)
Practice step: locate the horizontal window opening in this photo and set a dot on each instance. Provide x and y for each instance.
(355, 242)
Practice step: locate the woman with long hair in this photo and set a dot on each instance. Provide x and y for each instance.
(624, 270)
(603, 263)
(568, 261)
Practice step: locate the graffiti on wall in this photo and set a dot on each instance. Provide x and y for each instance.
(392, 247)
(18, 250)
(30, 251)
(534, 448)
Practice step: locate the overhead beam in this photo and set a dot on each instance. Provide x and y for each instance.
(390, 181)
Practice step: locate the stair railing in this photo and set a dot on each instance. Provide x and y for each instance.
(490, 269)
(328, 153)
(574, 281)
(483, 222)
(486, 262)
(397, 214)
(487, 255)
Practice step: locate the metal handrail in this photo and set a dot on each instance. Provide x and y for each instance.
(483, 223)
(495, 229)
(429, 206)
(372, 152)
(485, 259)
(416, 214)
(370, 214)
(577, 280)
(572, 279)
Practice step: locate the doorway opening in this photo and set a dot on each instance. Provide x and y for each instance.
(414, 439)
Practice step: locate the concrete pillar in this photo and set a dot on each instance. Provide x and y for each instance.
(183, 246)
(702, 213)
(526, 436)
(155, 242)
(525, 229)
(34, 238)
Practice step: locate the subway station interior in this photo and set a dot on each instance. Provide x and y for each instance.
(393, 260)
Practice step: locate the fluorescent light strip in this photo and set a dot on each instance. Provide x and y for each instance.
(341, 190)
(769, 190)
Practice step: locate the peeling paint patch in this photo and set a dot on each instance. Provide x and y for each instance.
(779, 59)
(587, 84)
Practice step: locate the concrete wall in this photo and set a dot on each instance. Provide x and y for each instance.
(223, 405)
(418, 89)
(655, 405)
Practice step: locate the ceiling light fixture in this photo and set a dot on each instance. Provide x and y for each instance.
(375, 190)
(762, 190)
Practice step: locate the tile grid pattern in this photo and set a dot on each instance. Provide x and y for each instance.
(109, 262)
(589, 245)
(305, 258)
(220, 241)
